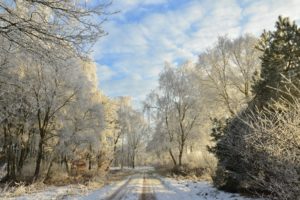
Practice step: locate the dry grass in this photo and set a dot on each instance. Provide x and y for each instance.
(118, 175)
(20, 189)
(195, 174)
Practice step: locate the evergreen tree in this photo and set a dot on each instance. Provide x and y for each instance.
(280, 66)
(280, 61)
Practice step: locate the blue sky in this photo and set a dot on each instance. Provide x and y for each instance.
(148, 33)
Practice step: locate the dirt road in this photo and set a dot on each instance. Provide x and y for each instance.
(148, 186)
(147, 191)
(140, 186)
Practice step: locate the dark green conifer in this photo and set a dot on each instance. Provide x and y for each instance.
(280, 61)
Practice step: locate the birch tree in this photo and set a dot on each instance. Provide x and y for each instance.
(230, 66)
(174, 105)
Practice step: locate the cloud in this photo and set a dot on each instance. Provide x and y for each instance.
(126, 6)
(104, 72)
(263, 14)
(132, 55)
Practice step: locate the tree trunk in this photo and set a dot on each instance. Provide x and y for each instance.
(11, 170)
(122, 157)
(180, 157)
(24, 152)
(7, 155)
(181, 149)
(49, 169)
(173, 158)
(38, 160)
(113, 159)
(13, 166)
(90, 162)
(66, 164)
(133, 161)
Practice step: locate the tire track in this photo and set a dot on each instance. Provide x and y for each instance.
(147, 191)
(140, 185)
(120, 192)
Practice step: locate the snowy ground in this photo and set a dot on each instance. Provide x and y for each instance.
(140, 186)
(186, 189)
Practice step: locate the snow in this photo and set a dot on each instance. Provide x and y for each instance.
(168, 189)
(132, 187)
(137, 169)
(188, 189)
(100, 193)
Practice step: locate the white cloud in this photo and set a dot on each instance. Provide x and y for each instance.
(104, 72)
(125, 6)
(137, 49)
(263, 14)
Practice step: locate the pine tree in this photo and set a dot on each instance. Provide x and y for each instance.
(280, 61)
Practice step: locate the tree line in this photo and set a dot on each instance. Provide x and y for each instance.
(53, 115)
(49, 94)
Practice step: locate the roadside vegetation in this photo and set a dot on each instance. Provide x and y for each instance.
(245, 93)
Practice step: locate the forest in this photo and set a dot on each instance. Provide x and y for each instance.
(232, 117)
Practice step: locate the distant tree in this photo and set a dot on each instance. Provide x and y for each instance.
(111, 134)
(126, 137)
(137, 130)
(174, 106)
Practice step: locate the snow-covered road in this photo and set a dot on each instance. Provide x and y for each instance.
(144, 186)
(140, 186)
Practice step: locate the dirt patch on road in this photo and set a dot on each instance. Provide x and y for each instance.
(118, 175)
(118, 194)
(147, 192)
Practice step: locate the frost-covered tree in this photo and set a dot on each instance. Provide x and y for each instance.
(175, 109)
(258, 148)
(46, 103)
(132, 132)
(230, 66)
(80, 134)
(111, 134)
(41, 27)
(137, 129)
(50, 101)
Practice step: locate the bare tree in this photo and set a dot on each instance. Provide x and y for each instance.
(216, 63)
(136, 132)
(112, 133)
(176, 109)
(132, 127)
(42, 26)
(245, 63)
(230, 66)
(49, 96)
